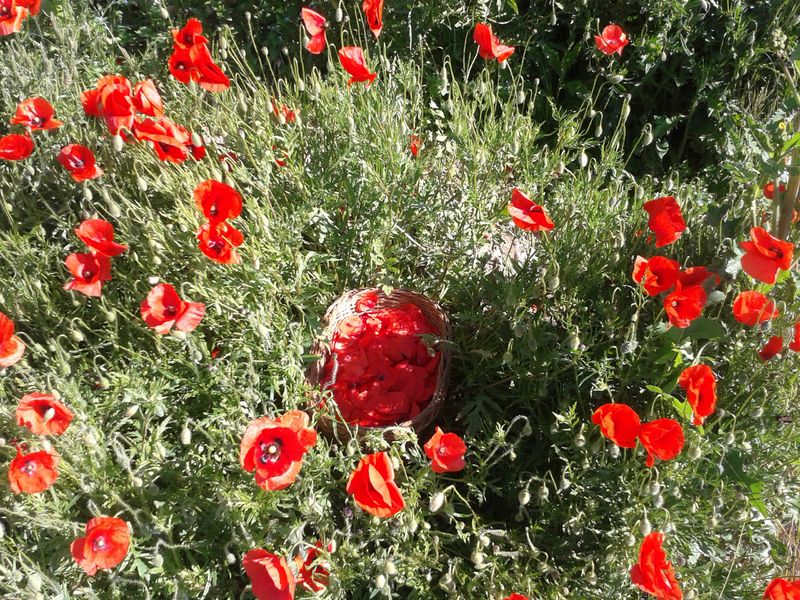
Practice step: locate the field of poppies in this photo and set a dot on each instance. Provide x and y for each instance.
(603, 382)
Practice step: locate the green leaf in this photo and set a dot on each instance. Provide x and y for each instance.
(682, 408)
(791, 143)
(734, 469)
(703, 328)
(512, 4)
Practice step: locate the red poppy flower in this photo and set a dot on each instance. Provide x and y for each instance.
(281, 162)
(163, 309)
(99, 236)
(373, 10)
(147, 100)
(15, 146)
(33, 6)
(662, 438)
(769, 190)
(516, 597)
(104, 546)
(218, 201)
(528, 215)
(80, 162)
(197, 152)
(619, 423)
(170, 141)
(752, 308)
(117, 108)
(353, 61)
(210, 76)
(700, 384)
(11, 16)
(43, 414)
(696, 276)
(281, 109)
(34, 472)
(92, 100)
(274, 448)
(446, 451)
(653, 573)
(313, 574)
(666, 220)
(684, 305)
(11, 347)
(269, 575)
(781, 589)
(764, 255)
(415, 144)
(795, 343)
(189, 35)
(316, 25)
(611, 39)
(89, 271)
(773, 347)
(196, 64)
(218, 241)
(373, 488)
(36, 114)
(489, 47)
(657, 274)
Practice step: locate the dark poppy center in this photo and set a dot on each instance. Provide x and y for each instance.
(87, 273)
(180, 66)
(37, 121)
(99, 543)
(171, 310)
(5, 11)
(29, 467)
(216, 245)
(776, 251)
(77, 163)
(270, 452)
(213, 211)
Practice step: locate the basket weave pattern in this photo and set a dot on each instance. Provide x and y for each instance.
(344, 307)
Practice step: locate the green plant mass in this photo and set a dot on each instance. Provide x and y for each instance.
(416, 300)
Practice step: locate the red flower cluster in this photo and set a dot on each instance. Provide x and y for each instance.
(217, 239)
(35, 114)
(381, 372)
(612, 39)
(139, 110)
(373, 487)
(11, 347)
(528, 215)
(489, 47)
(316, 25)
(34, 472)
(191, 59)
(274, 448)
(653, 573)
(14, 12)
(662, 438)
(89, 270)
(104, 546)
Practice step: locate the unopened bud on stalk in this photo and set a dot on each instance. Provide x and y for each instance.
(524, 497)
(132, 410)
(137, 482)
(437, 500)
(87, 194)
(186, 435)
(583, 160)
(118, 143)
(646, 527)
(164, 13)
(76, 335)
(543, 493)
(46, 444)
(141, 183)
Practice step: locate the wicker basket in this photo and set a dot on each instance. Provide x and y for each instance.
(342, 308)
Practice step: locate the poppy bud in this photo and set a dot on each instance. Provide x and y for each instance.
(648, 137)
(76, 335)
(630, 540)
(658, 502)
(583, 160)
(712, 522)
(87, 194)
(132, 410)
(35, 582)
(731, 439)
(543, 493)
(186, 435)
(396, 463)
(380, 581)
(437, 500)
(573, 343)
(159, 411)
(164, 13)
(141, 183)
(46, 445)
(446, 583)
(524, 497)
(477, 557)
(646, 527)
(161, 451)
(158, 560)
(2, 530)
(590, 577)
(598, 131)
(757, 412)
(90, 440)
(553, 282)
(655, 488)
(390, 568)
(137, 482)
(564, 484)
(614, 451)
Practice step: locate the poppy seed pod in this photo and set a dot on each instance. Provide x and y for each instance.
(583, 160)
(87, 194)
